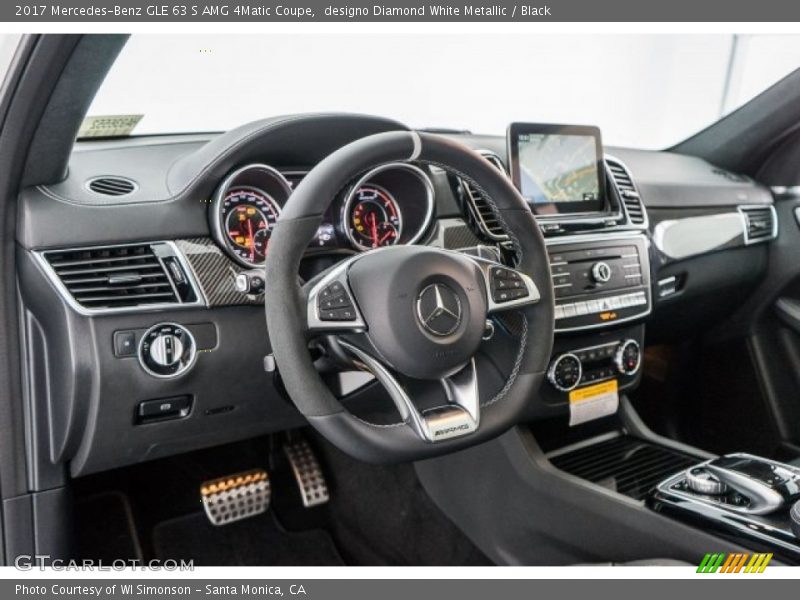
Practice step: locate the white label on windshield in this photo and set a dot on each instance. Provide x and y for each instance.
(109, 126)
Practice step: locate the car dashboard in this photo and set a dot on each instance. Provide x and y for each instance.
(141, 276)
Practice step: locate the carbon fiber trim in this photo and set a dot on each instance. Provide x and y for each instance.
(215, 273)
(460, 237)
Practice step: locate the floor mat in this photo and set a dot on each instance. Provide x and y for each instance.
(258, 541)
(105, 524)
(381, 515)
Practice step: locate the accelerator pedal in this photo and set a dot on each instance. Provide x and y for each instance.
(307, 472)
(236, 497)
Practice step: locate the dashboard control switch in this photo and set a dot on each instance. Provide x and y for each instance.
(164, 408)
(124, 343)
(167, 350)
(250, 282)
(565, 372)
(601, 272)
(628, 358)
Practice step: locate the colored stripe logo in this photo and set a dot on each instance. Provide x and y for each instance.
(737, 562)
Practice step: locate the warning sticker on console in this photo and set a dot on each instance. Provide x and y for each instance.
(593, 402)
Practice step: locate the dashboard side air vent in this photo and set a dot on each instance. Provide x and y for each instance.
(760, 223)
(627, 191)
(482, 213)
(111, 186)
(121, 277)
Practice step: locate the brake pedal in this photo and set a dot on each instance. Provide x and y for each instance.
(236, 497)
(307, 472)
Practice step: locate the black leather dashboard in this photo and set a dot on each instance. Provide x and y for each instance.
(84, 398)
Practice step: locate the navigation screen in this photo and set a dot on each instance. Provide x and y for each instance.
(558, 168)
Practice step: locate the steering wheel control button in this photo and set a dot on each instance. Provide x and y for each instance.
(167, 350)
(439, 309)
(506, 285)
(335, 304)
(628, 358)
(565, 372)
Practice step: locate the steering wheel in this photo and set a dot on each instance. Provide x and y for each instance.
(409, 313)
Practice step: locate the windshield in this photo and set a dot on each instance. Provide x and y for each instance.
(644, 91)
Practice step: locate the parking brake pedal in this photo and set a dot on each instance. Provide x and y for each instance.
(236, 497)
(307, 472)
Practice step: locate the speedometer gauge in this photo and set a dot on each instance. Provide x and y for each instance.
(248, 215)
(246, 206)
(373, 218)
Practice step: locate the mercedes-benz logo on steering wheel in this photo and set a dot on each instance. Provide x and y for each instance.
(439, 309)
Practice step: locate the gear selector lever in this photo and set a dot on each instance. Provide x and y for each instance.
(767, 485)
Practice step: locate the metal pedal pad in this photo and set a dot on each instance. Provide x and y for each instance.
(236, 497)
(307, 472)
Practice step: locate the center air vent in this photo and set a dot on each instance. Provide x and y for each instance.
(479, 207)
(760, 223)
(120, 277)
(627, 192)
(111, 186)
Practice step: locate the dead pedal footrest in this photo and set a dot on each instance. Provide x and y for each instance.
(236, 497)
(307, 473)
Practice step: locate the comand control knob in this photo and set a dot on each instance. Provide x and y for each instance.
(703, 481)
(167, 350)
(794, 517)
(628, 357)
(565, 372)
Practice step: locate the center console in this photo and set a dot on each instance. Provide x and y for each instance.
(600, 284)
(600, 281)
(603, 477)
(599, 260)
(741, 495)
(595, 227)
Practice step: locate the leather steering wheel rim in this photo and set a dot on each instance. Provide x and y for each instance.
(286, 302)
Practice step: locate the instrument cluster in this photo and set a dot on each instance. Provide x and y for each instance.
(389, 205)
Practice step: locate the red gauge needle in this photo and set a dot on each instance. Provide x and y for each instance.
(374, 227)
(252, 240)
(389, 234)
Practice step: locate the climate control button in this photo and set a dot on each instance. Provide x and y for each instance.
(565, 372)
(628, 357)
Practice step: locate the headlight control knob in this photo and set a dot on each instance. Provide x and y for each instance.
(628, 357)
(167, 350)
(565, 372)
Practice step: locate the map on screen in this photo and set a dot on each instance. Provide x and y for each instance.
(558, 168)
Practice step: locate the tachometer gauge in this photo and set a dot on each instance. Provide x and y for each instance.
(373, 218)
(248, 215)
